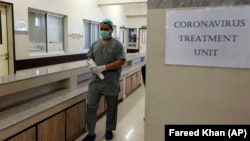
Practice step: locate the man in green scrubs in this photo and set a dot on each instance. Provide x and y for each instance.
(109, 56)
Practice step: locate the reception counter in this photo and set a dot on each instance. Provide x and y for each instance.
(49, 103)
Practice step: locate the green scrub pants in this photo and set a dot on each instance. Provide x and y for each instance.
(93, 99)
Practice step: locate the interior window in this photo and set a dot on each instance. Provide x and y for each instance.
(91, 33)
(45, 32)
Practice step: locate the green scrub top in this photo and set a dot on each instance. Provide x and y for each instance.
(113, 51)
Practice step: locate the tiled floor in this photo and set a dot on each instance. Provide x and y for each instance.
(130, 125)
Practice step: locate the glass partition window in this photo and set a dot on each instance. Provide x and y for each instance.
(86, 35)
(37, 32)
(95, 32)
(90, 33)
(114, 33)
(55, 33)
(122, 35)
(142, 42)
(132, 37)
(45, 32)
(143, 36)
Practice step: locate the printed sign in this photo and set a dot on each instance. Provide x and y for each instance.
(218, 37)
(204, 132)
(21, 26)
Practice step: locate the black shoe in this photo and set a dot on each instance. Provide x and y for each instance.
(109, 135)
(89, 138)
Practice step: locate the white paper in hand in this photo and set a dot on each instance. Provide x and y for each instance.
(92, 64)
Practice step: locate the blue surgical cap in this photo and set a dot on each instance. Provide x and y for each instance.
(109, 22)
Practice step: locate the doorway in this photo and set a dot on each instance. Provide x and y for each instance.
(4, 57)
(7, 40)
(123, 37)
(142, 39)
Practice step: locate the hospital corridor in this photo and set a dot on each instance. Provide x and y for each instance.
(197, 55)
(130, 123)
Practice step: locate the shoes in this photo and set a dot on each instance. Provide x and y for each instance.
(89, 138)
(109, 135)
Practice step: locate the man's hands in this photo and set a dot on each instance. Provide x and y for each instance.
(98, 69)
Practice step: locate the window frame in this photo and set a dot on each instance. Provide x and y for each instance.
(47, 15)
(90, 33)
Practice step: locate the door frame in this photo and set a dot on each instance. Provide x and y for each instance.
(140, 37)
(123, 31)
(10, 36)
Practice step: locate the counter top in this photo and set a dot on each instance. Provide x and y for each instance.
(68, 75)
(24, 111)
(31, 73)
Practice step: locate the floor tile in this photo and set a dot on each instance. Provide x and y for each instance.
(130, 125)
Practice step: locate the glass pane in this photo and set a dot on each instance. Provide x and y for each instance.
(123, 36)
(94, 32)
(132, 37)
(144, 37)
(114, 33)
(37, 32)
(55, 33)
(86, 39)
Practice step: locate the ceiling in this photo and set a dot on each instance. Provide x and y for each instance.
(131, 7)
(119, 2)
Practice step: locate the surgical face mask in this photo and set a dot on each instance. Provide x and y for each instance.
(104, 34)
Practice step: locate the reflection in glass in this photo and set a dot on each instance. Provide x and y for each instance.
(37, 32)
(91, 33)
(46, 32)
(123, 36)
(86, 39)
(55, 33)
(94, 32)
(132, 36)
(114, 33)
(144, 37)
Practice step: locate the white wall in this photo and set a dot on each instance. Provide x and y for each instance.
(137, 21)
(188, 94)
(135, 9)
(75, 11)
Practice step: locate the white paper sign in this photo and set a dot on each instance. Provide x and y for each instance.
(217, 37)
(21, 26)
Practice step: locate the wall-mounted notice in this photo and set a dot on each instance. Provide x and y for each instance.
(21, 26)
(218, 37)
